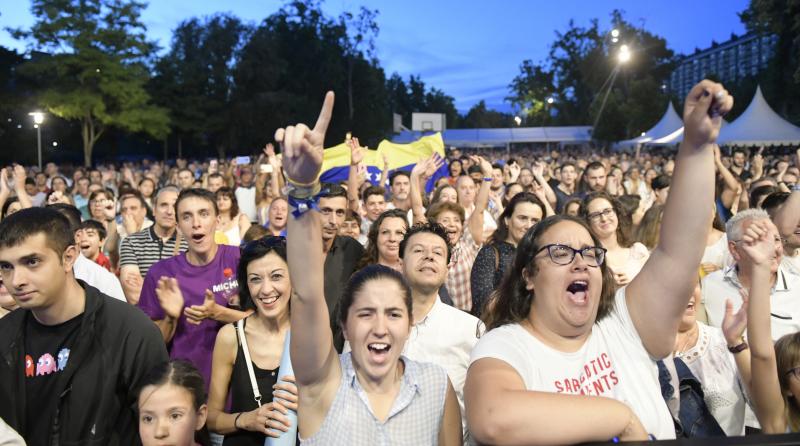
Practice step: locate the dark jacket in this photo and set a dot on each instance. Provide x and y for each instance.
(116, 346)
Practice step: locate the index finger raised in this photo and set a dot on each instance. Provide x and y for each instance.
(325, 114)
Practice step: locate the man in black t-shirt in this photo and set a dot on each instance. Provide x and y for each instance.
(73, 357)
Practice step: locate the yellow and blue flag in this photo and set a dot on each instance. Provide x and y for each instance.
(336, 161)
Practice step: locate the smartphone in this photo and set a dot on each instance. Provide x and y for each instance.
(242, 160)
(265, 168)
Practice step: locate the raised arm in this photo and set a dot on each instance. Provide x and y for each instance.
(658, 295)
(423, 170)
(475, 221)
(313, 356)
(19, 187)
(765, 388)
(732, 186)
(353, 180)
(538, 175)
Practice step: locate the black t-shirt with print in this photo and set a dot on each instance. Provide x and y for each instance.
(46, 355)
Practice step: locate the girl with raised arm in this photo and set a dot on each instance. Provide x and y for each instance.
(372, 395)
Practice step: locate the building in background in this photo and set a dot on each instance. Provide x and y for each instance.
(729, 61)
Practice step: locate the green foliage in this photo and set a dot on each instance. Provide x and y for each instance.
(406, 98)
(582, 66)
(480, 117)
(96, 70)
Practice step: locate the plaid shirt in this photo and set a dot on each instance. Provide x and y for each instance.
(460, 269)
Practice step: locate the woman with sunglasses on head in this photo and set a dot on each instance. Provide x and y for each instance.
(609, 221)
(263, 268)
(567, 359)
(371, 395)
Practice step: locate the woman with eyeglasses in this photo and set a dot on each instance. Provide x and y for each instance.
(263, 269)
(609, 221)
(570, 359)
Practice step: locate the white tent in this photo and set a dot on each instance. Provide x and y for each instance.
(674, 138)
(759, 125)
(669, 123)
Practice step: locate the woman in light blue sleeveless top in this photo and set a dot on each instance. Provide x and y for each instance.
(372, 395)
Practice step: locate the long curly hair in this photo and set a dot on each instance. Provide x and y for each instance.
(624, 222)
(511, 303)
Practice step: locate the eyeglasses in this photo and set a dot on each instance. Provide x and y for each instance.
(268, 242)
(595, 216)
(564, 255)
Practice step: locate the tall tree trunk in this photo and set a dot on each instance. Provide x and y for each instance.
(350, 87)
(87, 134)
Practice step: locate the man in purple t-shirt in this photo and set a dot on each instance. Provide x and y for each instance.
(187, 296)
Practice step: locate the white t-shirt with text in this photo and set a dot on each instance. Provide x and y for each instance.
(612, 363)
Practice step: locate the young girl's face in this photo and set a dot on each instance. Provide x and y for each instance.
(167, 416)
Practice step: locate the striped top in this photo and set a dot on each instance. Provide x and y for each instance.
(144, 248)
(415, 418)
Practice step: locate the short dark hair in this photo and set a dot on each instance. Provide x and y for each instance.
(396, 174)
(332, 190)
(96, 225)
(197, 193)
(370, 273)
(71, 212)
(253, 251)
(594, 165)
(178, 373)
(774, 201)
(133, 193)
(21, 225)
(501, 233)
(372, 190)
(474, 169)
(430, 228)
(352, 216)
(660, 182)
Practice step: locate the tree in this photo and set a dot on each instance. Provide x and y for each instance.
(96, 69)
(584, 77)
(480, 117)
(406, 98)
(195, 79)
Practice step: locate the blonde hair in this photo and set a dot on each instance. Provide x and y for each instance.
(787, 357)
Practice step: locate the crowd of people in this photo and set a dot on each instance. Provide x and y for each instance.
(533, 297)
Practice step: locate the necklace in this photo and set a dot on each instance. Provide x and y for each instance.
(689, 339)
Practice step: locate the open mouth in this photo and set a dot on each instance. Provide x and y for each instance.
(577, 292)
(84, 246)
(379, 351)
(197, 238)
(428, 269)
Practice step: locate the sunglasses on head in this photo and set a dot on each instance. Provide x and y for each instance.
(269, 242)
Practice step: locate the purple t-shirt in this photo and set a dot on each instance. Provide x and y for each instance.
(194, 343)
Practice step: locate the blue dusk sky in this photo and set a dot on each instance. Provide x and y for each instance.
(470, 49)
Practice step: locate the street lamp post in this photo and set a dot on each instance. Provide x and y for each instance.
(623, 56)
(38, 119)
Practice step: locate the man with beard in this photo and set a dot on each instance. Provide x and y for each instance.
(400, 183)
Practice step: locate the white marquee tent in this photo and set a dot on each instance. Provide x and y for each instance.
(668, 124)
(759, 125)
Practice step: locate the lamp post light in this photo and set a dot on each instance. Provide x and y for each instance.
(38, 119)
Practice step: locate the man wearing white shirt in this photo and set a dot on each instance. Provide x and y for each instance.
(725, 284)
(441, 334)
